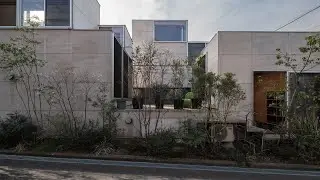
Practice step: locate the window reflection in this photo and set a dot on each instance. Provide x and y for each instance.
(46, 12)
(170, 32)
(33, 10)
(57, 12)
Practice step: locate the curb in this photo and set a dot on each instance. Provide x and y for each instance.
(171, 161)
(126, 158)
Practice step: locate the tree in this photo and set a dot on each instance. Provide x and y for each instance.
(178, 76)
(20, 61)
(302, 110)
(150, 72)
(222, 93)
(308, 61)
(71, 92)
(199, 77)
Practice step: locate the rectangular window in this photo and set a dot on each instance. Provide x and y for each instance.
(57, 12)
(8, 12)
(46, 12)
(125, 75)
(33, 10)
(117, 69)
(170, 32)
(194, 50)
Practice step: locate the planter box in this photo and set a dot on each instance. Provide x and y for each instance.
(196, 103)
(159, 103)
(137, 103)
(121, 104)
(178, 103)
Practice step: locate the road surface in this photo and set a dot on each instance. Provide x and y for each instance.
(47, 168)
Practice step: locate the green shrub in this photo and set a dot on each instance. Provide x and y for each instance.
(15, 129)
(85, 141)
(161, 144)
(189, 95)
(187, 103)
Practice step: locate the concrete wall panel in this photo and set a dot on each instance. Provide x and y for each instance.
(235, 43)
(267, 43)
(86, 15)
(240, 65)
(91, 51)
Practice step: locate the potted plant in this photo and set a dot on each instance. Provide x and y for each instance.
(159, 92)
(178, 101)
(137, 101)
(177, 80)
(121, 104)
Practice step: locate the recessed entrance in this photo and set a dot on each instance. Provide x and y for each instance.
(269, 97)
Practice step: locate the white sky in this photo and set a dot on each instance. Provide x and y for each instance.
(208, 16)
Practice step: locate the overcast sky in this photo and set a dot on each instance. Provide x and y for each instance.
(206, 17)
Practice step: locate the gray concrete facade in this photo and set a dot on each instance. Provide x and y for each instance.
(143, 31)
(85, 50)
(244, 53)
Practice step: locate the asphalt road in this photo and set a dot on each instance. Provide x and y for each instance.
(46, 168)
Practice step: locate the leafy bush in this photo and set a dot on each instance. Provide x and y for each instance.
(16, 129)
(85, 141)
(161, 143)
(187, 103)
(189, 95)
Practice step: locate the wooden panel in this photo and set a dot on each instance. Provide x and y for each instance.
(264, 82)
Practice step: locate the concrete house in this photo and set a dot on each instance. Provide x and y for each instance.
(70, 33)
(167, 35)
(251, 56)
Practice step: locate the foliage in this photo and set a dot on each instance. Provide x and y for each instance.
(16, 129)
(308, 61)
(104, 148)
(189, 95)
(178, 77)
(108, 109)
(225, 93)
(86, 140)
(160, 90)
(191, 136)
(150, 67)
(20, 61)
(222, 92)
(199, 78)
(302, 112)
(67, 90)
(187, 103)
(159, 144)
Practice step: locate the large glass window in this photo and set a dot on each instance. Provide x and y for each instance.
(57, 12)
(8, 12)
(117, 69)
(170, 32)
(47, 12)
(125, 75)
